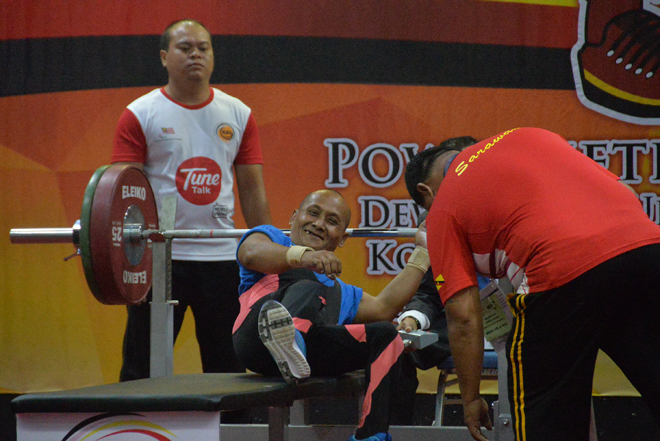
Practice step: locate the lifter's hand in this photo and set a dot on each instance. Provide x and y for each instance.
(420, 236)
(322, 262)
(476, 415)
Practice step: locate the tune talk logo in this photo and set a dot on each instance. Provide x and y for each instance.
(199, 180)
(616, 61)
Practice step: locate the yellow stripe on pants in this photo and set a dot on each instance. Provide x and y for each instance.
(517, 368)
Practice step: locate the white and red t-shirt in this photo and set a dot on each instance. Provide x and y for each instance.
(526, 202)
(189, 151)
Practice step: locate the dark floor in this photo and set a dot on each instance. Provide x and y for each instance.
(617, 418)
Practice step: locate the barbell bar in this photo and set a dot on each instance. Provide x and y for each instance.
(119, 223)
(70, 235)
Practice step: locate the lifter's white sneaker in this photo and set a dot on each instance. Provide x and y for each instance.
(278, 334)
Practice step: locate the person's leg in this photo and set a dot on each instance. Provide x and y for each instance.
(633, 330)
(136, 349)
(215, 307)
(402, 410)
(551, 353)
(247, 344)
(375, 347)
(302, 300)
(331, 349)
(212, 291)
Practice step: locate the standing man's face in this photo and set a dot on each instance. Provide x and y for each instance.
(190, 53)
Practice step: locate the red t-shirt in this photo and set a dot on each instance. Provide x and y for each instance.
(526, 201)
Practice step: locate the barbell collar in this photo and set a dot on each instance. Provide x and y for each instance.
(44, 235)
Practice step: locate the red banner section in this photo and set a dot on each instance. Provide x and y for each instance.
(459, 21)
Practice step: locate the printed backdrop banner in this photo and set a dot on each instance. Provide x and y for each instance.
(343, 95)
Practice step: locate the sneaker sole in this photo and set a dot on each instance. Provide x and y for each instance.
(278, 334)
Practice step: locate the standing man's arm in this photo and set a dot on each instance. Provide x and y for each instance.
(248, 168)
(252, 194)
(466, 340)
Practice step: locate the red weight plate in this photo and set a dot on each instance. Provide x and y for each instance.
(118, 281)
(85, 214)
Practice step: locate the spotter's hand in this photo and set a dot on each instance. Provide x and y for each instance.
(476, 415)
(322, 262)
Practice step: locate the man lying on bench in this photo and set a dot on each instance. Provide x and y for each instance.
(298, 319)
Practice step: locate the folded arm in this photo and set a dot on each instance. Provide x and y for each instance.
(258, 253)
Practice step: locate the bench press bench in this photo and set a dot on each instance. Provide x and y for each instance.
(181, 407)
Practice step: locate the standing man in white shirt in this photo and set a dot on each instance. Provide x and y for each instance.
(191, 139)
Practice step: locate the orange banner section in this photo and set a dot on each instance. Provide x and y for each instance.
(57, 336)
(464, 21)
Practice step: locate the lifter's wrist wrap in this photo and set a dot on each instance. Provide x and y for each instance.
(420, 259)
(294, 254)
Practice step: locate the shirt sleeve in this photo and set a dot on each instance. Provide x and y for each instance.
(350, 300)
(248, 276)
(451, 259)
(129, 143)
(249, 151)
(273, 233)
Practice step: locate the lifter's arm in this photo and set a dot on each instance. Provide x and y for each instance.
(396, 294)
(466, 340)
(258, 253)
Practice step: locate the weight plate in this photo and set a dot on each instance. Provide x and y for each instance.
(113, 192)
(85, 215)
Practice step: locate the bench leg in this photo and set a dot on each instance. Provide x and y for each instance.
(593, 433)
(278, 423)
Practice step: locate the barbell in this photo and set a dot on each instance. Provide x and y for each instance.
(119, 223)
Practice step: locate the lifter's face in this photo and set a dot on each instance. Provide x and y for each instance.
(321, 221)
(190, 53)
(429, 188)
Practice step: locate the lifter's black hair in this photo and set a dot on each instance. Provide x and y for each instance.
(417, 170)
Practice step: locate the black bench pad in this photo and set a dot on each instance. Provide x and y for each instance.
(189, 392)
